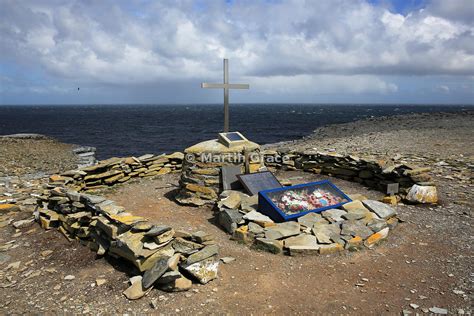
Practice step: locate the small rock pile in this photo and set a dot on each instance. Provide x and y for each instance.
(109, 172)
(374, 173)
(165, 257)
(357, 224)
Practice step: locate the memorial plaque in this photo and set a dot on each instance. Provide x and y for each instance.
(232, 139)
(259, 181)
(392, 188)
(229, 177)
(288, 203)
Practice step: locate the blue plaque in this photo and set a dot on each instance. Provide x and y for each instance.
(289, 203)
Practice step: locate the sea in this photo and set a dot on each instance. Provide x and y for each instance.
(125, 130)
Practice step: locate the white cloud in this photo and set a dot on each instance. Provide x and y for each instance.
(319, 46)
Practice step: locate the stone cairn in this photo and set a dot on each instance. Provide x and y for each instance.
(372, 172)
(166, 257)
(357, 224)
(112, 171)
(201, 180)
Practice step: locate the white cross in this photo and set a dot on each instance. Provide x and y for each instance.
(226, 86)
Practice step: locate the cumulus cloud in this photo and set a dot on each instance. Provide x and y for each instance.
(322, 46)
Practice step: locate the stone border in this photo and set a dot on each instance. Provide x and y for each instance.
(357, 224)
(165, 257)
(372, 172)
(107, 173)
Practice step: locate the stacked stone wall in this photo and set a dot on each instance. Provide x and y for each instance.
(372, 172)
(107, 229)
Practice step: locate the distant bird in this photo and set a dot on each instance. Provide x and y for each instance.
(78, 89)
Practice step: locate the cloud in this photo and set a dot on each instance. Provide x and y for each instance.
(333, 46)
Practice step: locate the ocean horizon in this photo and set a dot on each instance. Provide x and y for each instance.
(135, 129)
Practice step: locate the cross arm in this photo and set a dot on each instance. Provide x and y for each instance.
(225, 85)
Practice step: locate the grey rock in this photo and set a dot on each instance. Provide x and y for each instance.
(258, 217)
(355, 215)
(157, 230)
(201, 236)
(310, 219)
(249, 203)
(438, 310)
(381, 209)
(270, 245)
(334, 215)
(255, 228)
(356, 228)
(150, 276)
(227, 259)
(282, 230)
(202, 254)
(168, 277)
(302, 240)
(24, 223)
(377, 225)
(303, 250)
(229, 219)
(185, 246)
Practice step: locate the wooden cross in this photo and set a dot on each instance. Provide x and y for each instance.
(226, 86)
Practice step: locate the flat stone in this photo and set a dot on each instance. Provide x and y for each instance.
(69, 277)
(205, 270)
(376, 238)
(178, 285)
(142, 227)
(282, 230)
(157, 230)
(255, 228)
(185, 246)
(422, 194)
(377, 225)
(354, 206)
(173, 261)
(23, 223)
(257, 217)
(227, 259)
(381, 209)
(302, 240)
(164, 237)
(270, 245)
(249, 203)
(334, 215)
(322, 237)
(232, 201)
(438, 310)
(202, 254)
(303, 250)
(135, 291)
(168, 277)
(229, 219)
(201, 236)
(310, 219)
(356, 228)
(331, 248)
(5, 208)
(150, 276)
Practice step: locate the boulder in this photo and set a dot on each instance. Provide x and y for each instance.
(422, 194)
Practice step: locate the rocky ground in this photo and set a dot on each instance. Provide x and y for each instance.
(425, 263)
(34, 154)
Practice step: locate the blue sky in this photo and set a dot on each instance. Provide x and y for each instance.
(141, 51)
